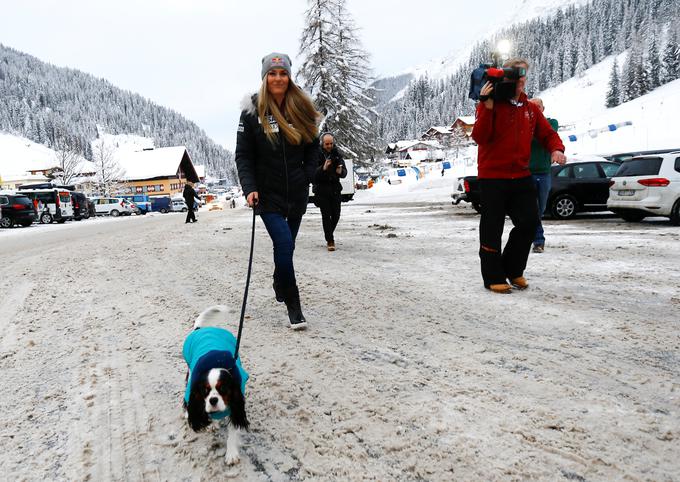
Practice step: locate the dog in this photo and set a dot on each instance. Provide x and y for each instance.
(215, 382)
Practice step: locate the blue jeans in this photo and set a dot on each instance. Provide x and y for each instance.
(283, 232)
(543, 189)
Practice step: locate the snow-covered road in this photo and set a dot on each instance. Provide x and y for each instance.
(410, 369)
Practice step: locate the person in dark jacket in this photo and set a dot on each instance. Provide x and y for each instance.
(189, 195)
(327, 187)
(539, 165)
(276, 158)
(503, 131)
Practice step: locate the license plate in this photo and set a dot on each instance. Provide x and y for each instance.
(627, 192)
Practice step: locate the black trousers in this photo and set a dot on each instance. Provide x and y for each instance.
(330, 214)
(190, 214)
(517, 199)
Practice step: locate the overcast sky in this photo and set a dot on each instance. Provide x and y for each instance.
(200, 57)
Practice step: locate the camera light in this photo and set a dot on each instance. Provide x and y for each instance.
(504, 47)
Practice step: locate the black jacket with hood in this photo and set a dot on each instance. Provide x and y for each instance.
(327, 183)
(280, 172)
(189, 195)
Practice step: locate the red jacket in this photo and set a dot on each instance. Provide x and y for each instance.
(504, 136)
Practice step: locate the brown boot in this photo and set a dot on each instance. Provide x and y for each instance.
(331, 246)
(520, 283)
(502, 288)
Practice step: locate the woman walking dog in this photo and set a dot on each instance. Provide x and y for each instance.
(276, 157)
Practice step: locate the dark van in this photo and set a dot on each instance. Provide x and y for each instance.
(81, 206)
(161, 204)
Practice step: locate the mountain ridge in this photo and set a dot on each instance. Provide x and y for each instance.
(61, 106)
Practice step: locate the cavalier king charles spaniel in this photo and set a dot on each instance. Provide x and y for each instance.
(215, 381)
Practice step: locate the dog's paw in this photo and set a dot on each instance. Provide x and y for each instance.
(232, 458)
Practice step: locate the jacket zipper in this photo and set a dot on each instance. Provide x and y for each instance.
(285, 165)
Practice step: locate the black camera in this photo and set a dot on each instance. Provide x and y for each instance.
(504, 81)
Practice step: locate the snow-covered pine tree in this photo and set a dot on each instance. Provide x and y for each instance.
(671, 58)
(581, 64)
(335, 71)
(653, 64)
(633, 78)
(614, 93)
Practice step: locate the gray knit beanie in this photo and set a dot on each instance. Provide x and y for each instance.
(276, 60)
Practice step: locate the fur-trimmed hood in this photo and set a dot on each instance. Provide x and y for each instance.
(249, 104)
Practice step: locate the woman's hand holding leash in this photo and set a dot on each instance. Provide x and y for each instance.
(253, 198)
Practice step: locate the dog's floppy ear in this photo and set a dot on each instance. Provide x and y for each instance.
(237, 405)
(198, 418)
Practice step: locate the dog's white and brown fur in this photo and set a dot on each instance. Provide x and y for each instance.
(216, 391)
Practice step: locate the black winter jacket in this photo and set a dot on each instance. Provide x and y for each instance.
(189, 194)
(327, 183)
(279, 172)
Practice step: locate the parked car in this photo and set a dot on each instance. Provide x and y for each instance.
(626, 156)
(581, 185)
(467, 189)
(111, 206)
(178, 205)
(161, 204)
(16, 209)
(142, 201)
(133, 207)
(80, 206)
(52, 203)
(647, 186)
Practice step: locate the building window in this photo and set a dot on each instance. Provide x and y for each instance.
(139, 189)
(151, 188)
(161, 187)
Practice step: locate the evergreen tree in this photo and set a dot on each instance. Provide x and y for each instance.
(653, 64)
(335, 71)
(614, 93)
(671, 59)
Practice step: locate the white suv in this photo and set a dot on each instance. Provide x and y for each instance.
(647, 186)
(111, 206)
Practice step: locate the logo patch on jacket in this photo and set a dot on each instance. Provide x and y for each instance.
(241, 127)
(272, 123)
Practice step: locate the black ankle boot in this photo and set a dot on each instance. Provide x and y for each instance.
(277, 291)
(295, 317)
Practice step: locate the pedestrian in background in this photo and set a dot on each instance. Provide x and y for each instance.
(539, 165)
(327, 187)
(189, 195)
(276, 156)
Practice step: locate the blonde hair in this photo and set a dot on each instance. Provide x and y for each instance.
(515, 61)
(300, 120)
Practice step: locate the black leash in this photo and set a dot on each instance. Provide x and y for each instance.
(245, 295)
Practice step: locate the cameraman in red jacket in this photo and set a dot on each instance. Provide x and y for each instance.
(503, 131)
